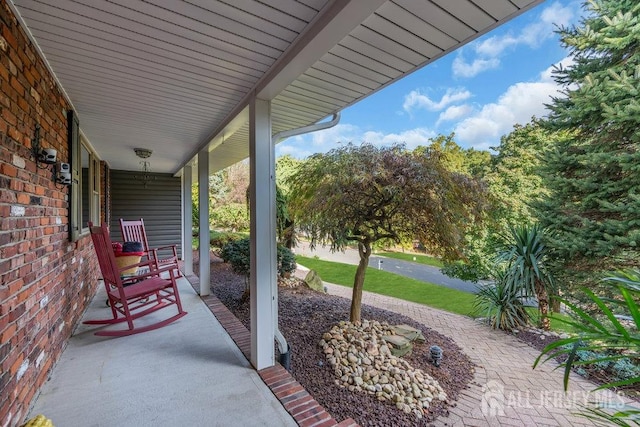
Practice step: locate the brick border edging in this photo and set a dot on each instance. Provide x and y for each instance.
(304, 409)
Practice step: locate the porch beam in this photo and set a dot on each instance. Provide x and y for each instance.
(263, 284)
(203, 219)
(187, 220)
(336, 20)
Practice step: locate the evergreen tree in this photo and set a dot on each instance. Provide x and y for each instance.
(593, 176)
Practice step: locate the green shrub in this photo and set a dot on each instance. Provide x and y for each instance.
(620, 369)
(220, 238)
(501, 304)
(233, 216)
(608, 340)
(462, 270)
(237, 254)
(286, 261)
(625, 369)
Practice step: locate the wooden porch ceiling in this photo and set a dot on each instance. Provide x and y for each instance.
(173, 75)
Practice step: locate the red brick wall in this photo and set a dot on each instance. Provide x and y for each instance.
(46, 281)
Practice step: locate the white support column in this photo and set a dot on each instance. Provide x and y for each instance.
(203, 219)
(187, 220)
(263, 279)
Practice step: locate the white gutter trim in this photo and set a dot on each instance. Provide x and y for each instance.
(277, 137)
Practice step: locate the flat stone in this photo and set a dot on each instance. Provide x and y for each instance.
(397, 341)
(400, 346)
(409, 332)
(399, 352)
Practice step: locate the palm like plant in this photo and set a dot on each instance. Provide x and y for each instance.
(500, 304)
(607, 336)
(525, 255)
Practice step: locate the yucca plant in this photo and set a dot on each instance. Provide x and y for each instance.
(501, 304)
(525, 256)
(607, 337)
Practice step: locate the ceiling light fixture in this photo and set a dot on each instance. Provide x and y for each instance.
(145, 166)
(143, 153)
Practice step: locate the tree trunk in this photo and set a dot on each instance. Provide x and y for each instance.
(364, 249)
(555, 301)
(543, 305)
(289, 233)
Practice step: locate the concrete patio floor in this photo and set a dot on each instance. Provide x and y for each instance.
(186, 374)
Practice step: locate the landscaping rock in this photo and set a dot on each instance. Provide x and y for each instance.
(400, 345)
(379, 373)
(313, 281)
(409, 332)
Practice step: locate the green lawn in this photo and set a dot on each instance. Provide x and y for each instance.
(420, 259)
(394, 285)
(385, 283)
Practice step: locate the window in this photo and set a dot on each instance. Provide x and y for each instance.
(84, 203)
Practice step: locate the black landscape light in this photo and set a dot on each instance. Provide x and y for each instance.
(436, 354)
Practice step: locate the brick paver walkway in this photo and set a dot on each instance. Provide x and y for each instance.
(506, 391)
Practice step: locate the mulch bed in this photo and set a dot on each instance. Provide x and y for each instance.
(304, 315)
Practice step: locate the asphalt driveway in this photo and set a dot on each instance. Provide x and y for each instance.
(424, 273)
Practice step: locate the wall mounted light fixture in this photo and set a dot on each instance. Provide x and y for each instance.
(48, 156)
(62, 173)
(40, 154)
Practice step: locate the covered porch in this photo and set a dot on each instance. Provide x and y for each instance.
(204, 85)
(191, 372)
(201, 85)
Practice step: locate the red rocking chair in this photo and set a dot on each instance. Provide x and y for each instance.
(149, 293)
(133, 231)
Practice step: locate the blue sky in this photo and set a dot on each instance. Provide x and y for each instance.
(479, 91)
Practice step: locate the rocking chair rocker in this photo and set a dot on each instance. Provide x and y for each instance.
(149, 293)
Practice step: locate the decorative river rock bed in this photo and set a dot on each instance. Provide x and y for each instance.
(305, 315)
(361, 357)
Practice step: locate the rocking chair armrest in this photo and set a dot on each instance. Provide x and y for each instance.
(170, 247)
(164, 247)
(172, 257)
(156, 271)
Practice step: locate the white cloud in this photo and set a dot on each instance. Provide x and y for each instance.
(322, 141)
(547, 75)
(454, 112)
(417, 100)
(494, 46)
(481, 129)
(461, 68)
(518, 104)
(412, 137)
(302, 146)
(556, 14)
(296, 151)
(488, 51)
